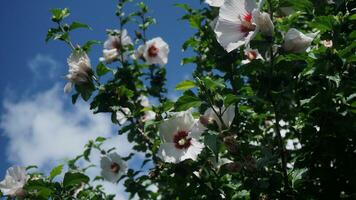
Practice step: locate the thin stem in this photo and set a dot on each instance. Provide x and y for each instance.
(143, 29)
(64, 31)
(120, 40)
(281, 145)
(96, 80)
(282, 150)
(211, 104)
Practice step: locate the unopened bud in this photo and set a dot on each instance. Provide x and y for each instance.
(138, 34)
(327, 43)
(204, 120)
(233, 167)
(230, 142)
(250, 163)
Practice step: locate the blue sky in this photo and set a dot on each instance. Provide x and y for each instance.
(32, 71)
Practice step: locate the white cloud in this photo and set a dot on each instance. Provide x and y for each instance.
(44, 130)
(44, 64)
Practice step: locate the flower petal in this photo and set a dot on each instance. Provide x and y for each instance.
(169, 153)
(193, 151)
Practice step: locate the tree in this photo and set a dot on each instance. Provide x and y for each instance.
(270, 113)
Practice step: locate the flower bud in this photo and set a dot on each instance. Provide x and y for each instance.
(138, 34)
(230, 142)
(233, 167)
(297, 42)
(327, 43)
(263, 22)
(205, 120)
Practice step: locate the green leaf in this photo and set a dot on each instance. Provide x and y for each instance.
(76, 25)
(74, 179)
(41, 188)
(31, 167)
(323, 23)
(167, 106)
(75, 98)
(55, 172)
(213, 84)
(185, 85)
(230, 99)
(301, 4)
(86, 154)
(85, 90)
(183, 6)
(336, 79)
(188, 60)
(87, 46)
(125, 92)
(100, 139)
(195, 21)
(53, 33)
(297, 174)
(187, 101)
(59, 14)
(352, 17)
(211, 141)
(101, 69)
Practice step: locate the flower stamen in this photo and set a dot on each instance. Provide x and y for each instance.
(153, 51)
(115, 168)
(181, 141)
(246, 24)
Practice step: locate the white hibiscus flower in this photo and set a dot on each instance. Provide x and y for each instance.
(297, 42)
(121, 115)
(112, 167)
(251, 54)
(227, 117)
(149, 115)
(79, 69)
(138, 53)
(293, 144)
(113, 46)
(180, 138)
(215, 3)
(327, 43)
(15, 179)
(239, 21)
(155, 51)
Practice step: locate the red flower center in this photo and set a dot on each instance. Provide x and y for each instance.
(115, 168)
(251, 55)
(246, 25)
(153, 51)
(116, 44)
(181, 141)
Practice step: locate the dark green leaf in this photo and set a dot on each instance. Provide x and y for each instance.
(74, 179)
(76, 25)
(101, 69)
